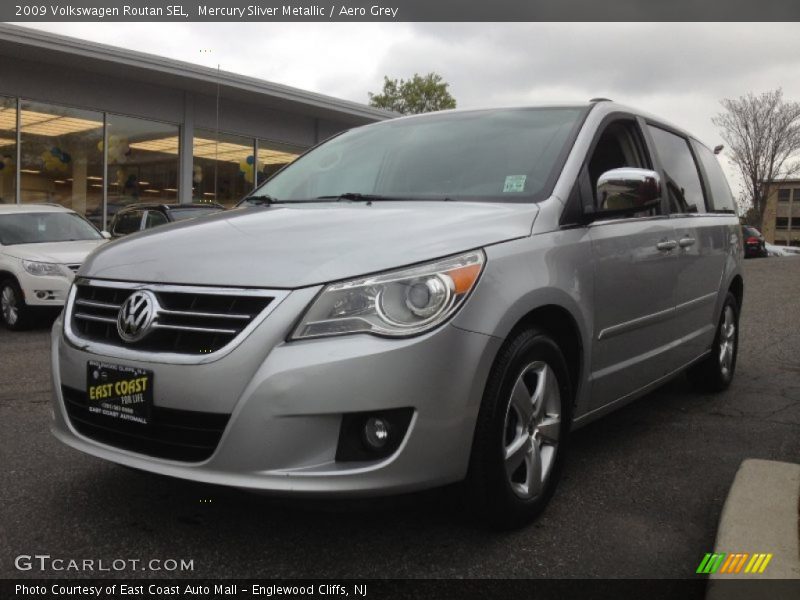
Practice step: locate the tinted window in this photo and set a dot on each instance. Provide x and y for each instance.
(39, 227)
(489, 155)
(783, 195)
(721, 198)
(683, 182)
(154, 219)
(751, 231)
(782, 223)
(128, 222)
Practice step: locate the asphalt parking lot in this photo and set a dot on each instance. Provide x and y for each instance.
(641, 496)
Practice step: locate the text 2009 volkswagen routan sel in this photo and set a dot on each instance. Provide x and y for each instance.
(417, 302)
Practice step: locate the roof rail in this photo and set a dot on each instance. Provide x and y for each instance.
(593, 100)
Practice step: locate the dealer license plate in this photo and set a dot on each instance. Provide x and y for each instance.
(119, 392)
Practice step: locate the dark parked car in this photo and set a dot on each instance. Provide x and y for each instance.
(754, 243)
(138, 217)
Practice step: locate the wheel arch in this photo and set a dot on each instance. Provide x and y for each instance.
(736, 287)
(5, 274)
(561, 325)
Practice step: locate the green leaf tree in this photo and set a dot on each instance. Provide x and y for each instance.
(414, 96)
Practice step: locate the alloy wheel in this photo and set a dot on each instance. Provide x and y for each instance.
(727, 341)
(532, 429)
(8, 305)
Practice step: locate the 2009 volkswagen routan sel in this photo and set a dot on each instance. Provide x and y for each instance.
(421, 301)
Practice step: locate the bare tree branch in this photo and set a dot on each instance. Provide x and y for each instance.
(763, 135)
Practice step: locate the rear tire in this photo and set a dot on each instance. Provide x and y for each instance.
(715, 372)
(521, 432)
(14, 313)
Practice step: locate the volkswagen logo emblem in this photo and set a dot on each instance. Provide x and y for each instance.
(136, 315)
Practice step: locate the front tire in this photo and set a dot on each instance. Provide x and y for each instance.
(521, 433)
(14, 313)
(715, 372)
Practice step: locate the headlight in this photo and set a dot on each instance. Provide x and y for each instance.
(395, 303)
(43, 268)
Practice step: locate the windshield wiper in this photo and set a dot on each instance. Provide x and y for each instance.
(359, 197)
(263, 200)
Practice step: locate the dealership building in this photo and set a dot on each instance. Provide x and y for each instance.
(781, 224)
(95, 127)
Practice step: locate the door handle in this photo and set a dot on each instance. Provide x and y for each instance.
(667, 245)
(686, 242)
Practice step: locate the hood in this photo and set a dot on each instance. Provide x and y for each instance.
(65, 253)
(298, 245)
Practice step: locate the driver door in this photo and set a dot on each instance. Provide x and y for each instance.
(635, 263)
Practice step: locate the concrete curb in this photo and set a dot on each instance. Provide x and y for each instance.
(761, 516)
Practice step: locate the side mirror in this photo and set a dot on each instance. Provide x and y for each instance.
(627, 190)
(105, 234)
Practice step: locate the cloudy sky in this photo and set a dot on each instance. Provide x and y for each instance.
(678, 71)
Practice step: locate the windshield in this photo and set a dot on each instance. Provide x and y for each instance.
(40, 227)
(502, 155)
(751, 231)
(181, 214)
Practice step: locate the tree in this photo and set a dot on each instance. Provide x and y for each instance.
(763, 135)
(414, 96)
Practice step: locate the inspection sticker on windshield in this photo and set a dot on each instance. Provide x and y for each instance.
(515, 183)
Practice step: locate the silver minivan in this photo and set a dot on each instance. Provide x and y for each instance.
(418, 302)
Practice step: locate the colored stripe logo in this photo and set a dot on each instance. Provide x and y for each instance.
(733, 563)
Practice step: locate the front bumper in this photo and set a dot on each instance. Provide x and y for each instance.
(44, 290)
(286, 402)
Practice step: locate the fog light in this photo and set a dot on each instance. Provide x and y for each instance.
(41, 295)
(372, 435)
(376, 433)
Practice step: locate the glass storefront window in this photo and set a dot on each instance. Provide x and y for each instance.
(273, 156)
(224, 167)
(142, 162)
(8, 150)
(61, 157)
(62, 150)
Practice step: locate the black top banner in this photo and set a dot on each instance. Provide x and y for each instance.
(399, 10)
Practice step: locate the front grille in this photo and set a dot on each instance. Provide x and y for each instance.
(184, 435)
(187, 322)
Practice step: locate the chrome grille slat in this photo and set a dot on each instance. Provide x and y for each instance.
(197, 329)
(191, 323)
(95, 318)
(203, 315)
(95, 304)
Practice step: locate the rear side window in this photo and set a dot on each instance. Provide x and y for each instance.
(750, 231)
(683, 185)
(721, 198)
(154, 219)
(128, 222)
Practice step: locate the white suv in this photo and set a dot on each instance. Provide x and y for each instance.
(41, 248)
